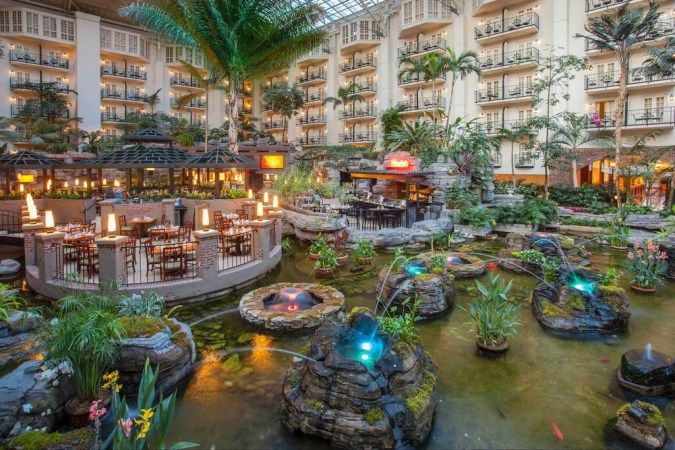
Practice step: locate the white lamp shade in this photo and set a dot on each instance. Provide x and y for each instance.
(49, 219)
(259, 210)
(112, 223)
(275, 201)
(32, 212)
(205, 218)
(250, 193)
(266, 197)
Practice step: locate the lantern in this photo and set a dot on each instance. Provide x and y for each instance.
(49, 185)
(49, 220)
(205, 219)
(21, 188)
(32, 213)
(260, 211)
(112, 225)
(275, 201)
(266, 197)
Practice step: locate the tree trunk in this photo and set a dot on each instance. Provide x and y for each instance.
(619, 117)
(452, 94)
(575, 181)
(233, 129)
(513, 169)
(206, 124)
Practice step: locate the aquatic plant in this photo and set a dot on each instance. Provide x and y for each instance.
(402, 326)
(437, 262)
(399, 259)
(328, 259)
(8, 302)
(286, 246)
(618, 235)
(364, 249)
(647, 265)
(319, 244)
(609, 277)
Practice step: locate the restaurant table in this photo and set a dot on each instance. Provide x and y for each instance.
(238, 237)
(142, 225)
(188, 247)
(170, 232)
(71, 237)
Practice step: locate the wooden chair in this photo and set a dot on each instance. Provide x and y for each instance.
(227, 245)
(242, 214)
(125, 229)
(217, 216)
(152, 260)
(129, 249)
(157, 233)
(173, 261)
(87, 258)
(187, 229)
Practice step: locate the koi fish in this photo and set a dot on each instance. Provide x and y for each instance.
(605, 359)
(556, 431)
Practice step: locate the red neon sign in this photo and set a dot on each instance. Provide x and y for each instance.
(396, 163)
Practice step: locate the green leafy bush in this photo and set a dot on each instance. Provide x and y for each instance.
(571, 220)
(532, 212)
(144, 304)
(319, 244)
(476, 216)
(364, 249)
(457, 196)
(328, 259)
(402, 326)
(7, 303)
(579, 196)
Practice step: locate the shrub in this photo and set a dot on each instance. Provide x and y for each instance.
(531, 212)
(328, 259)
(647, 264)
(7, 303)
(476, 216)
(579, 196)
(149, 305)
(571, 220)
(456, 197)
(364, 249)
(319, 244)
(402, 326)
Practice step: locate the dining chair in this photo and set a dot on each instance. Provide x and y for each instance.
(125, 229)
(173, 261)
(87, 258)
(129, 249)
(152, 259)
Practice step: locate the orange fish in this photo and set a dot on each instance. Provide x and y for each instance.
(605, 359)
(556, 431)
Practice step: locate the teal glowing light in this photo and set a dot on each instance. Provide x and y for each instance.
(415, 268)
(367, 346)
(582, 285)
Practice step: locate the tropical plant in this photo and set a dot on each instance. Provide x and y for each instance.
(345, 95)
(495, 317)
(619, 32)
(241, 39)
(391, 120)
(319, 244)
(471, 152)
(618, 234)
(364, 249)
(85, 332)
(523, 134)
(286, 246)
(8, 302)
(402, 326)
(647, 264)
(284, 100)
(152, 100)
(609, 277)
(459, 66)
(418, 139)
(437, 263)
(661, 61)
(148, 428)
(476, 216)
(149, 304)
(328, 259)
(457, 196)
(533, 211)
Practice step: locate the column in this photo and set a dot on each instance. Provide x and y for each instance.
(111, 267)
(48, 246)
(29, 231)
(275, 216)
(261, 238)
(207, 254)
(87, 69)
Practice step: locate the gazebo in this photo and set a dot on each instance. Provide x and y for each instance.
(27, 160)
(219, 159)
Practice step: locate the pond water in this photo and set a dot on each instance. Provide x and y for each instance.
(507, 402)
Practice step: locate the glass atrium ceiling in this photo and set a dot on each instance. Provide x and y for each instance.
(336, 10)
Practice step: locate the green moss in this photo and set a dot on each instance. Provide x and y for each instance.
(316, 405)
(418, 400)
(438, 270)
(403, 348)
(551, 310)
(305, 348)
(615, 290)
(654, 418)
(450, 277)
(373, 415)
(356, 311)
(178, 337)
(576, 301)
(293, 378)
(79, 439)
(426, 277)
(142, 326)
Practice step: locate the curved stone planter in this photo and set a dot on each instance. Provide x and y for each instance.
(253, 310)
(559, 307)
(339, 399)
(172, 350)
(472, 266)
(643, 423)
(434, 291)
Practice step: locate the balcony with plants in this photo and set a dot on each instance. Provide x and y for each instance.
(38, 59)
(415, 48)
(108, 70)
(649, 118)
(422, 104)
(519, 25)
(516, 59)
(356, 65)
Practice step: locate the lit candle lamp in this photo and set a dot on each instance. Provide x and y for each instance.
(21, 188)
(29, 200)
(266, 197)
(250, 194)
(77, 181)
(49, 185)
(116, 183)
(65, 184)
(32, 213)
(260, 211)
(49, 220)
(86, 185)
(205, 219)
(112, 225)
(275, 201)
(104, 182)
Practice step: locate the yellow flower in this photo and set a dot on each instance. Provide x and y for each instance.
(146, 414)
(110, 381)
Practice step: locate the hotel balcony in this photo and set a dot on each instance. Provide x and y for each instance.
(594, 7)
(507, 94)
(113, 118)
(354, 66)
(420, 48)
(315, 56)
(16, 85)
(519, 59)
(313, 77)
(194, 103)
(493, 127)
(643, 119)
(272, 125)
(123, 96)
(637, 79)
(267, 86)
(424, 104)
(359, 41)
(358, 137)
(34, 59)
(310, 141)
(179, 82)
(312, 98)
(19, 110)
(311, 120)
(484, 6)
(430, 19)
(359, 113)
(365, 88)
(524, 160)
(519, 25)
(664, 29)
(417, 79)
(116, 72)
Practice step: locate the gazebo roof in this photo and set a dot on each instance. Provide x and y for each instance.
(26, 159)
(147, 135)
(220, 157)
(139, 156)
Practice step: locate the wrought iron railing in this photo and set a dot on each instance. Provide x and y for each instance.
(354, 64)
(509, 59)
(123, 73)
(25, 57)
(521, 21)
(235, 249)
(151, 261)
(10, 222)
(414, 48)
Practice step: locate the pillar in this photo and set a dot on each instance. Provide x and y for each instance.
(29, 231)
(261, 238)
(207, 253)
(111, 267)
(275, 216)
(172, 186)
(47, 248)
(87, 51)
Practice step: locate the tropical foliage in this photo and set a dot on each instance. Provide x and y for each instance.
(647, 264)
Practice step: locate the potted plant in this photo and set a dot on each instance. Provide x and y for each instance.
(618, 236)
(316, 247)
(340, 239)
(364, 251)
(326, 263)
(647, 265)
(85, 334)
(496, 318)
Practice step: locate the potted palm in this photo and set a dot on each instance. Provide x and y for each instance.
(316, 247)
(496, 318)
(364, 251)
(647, 265)
(85, 334)
(326, 263)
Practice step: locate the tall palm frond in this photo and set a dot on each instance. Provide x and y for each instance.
(345, 94)
(460, 66)
(661, 61)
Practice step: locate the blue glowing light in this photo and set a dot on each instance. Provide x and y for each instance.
(415, 268)
(367, 346)
(582, 285)
(365, 357)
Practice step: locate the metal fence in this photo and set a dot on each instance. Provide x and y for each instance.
(372, 219)
(10, 222)
(235, 249)
(76, 264)
(154, 261)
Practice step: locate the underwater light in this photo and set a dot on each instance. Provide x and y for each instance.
(582, 285)
(367, 346)
(365, 357)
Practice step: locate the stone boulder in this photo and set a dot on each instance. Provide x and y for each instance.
(461, 265)
(172, 349)
(647, 372)
(424, 230)
(17, 340)
(577, 303)
(384, 238)
(9, 267)
(33, 396)
(334, 395)
(643, 423)
(668, 246)
(307, 225)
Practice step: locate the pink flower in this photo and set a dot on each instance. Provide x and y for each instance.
(650, 257)
(630, 255)
(651, 247)
(639, 253)
(95, 412)
(663, 255)
(126, 425)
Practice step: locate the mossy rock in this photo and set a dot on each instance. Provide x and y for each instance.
(575, 301)
(316, 405)
(609, 289)
(417, 401)
(654, 417)
(551, 310)
(373, 415)
(79, 439)
(142, 326)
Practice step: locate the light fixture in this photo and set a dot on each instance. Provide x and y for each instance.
(275, 201)
(250, 194)
(29, 200)
(49, 185)
(116, 183)
(32, 213)
(86, 185)
(259, 211)
(205, 219)
(112, 225)
(104, 182)
(266, 197)
(77, 181)
(65, 184)
(21, 188)
(49, 220)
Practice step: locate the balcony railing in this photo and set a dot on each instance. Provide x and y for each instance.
(315, 97)
(364, 112)
(24, 110)
(317, 53)
(312, 140)
(509, 59)
(595, 5)
(358, 136)
(276, 84)
(524, 160)
(494, 126)
(275, 124)
(311, 76)
(424, 104)
(195, 103)
(115, 71)
(113, 117)
(26, 85)
(114, 94)
(511, 92)
(185, 82)
(314, 119)
(34, 58)
(355, 64)
(498, 27)
(415, 48)
(413, 78)
(659, 116)
(636, 77)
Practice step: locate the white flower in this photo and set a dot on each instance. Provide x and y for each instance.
(27, 408)
(54, 321)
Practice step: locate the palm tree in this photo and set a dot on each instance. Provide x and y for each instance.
(619, 33)
(241, 39)
(152, 100)
(573, 133)
(391, 120)
(460, 66)
(430, 67)
(209, 84)
(285, 100)
(513, 135)
(38, 133)
(418, 139)
(661, 61)
(345, 95)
